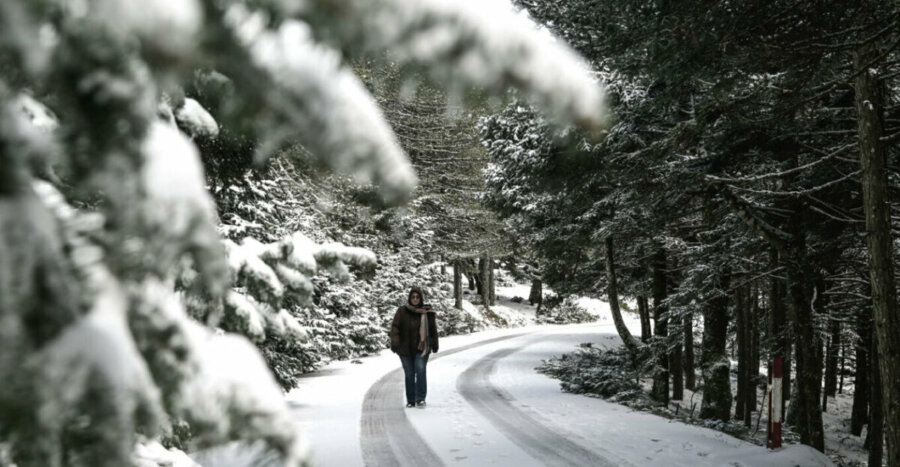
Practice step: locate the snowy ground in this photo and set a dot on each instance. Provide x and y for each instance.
(487, 406)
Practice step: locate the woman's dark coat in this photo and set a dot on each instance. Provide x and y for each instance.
(405, 331)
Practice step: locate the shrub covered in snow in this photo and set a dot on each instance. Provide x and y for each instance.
(609, 374)
(557, 310)
(615, 375)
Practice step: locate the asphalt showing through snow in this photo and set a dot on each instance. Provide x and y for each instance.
(388, 438)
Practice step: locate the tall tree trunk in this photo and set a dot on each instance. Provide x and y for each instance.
(660, 390)
(714, 362)
(485, 273)
(443, 266)
(471, 279)
(831, 361)
(778, 328)
(644, 312)
(492, 284)
(743, 350)
(843, 367)
(859, 416)
(809, 350)
(875, 437)
(536, 295)
(872, 158)
(746, 388)
(676, 368)
(793, 415)
(457, 285)
(612, 294)
(754, 346)
(690, 380)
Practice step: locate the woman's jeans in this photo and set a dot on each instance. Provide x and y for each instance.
(416, 384)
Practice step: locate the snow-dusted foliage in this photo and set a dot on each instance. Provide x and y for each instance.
(195, 119)
(114, 282)
(325, 105)
(609, 374)
(564, 311)
(483, 44)
(266, 274)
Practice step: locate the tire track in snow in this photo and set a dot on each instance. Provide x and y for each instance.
(550, 446)
(387, 438)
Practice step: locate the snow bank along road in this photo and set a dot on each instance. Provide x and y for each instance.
(487, 406)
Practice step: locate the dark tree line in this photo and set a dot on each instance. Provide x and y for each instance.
(749, 179)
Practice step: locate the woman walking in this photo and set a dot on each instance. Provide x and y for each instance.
(414, 337)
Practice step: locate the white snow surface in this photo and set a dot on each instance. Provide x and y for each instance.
(153, 454)
(328, 405)
(196, 119)
(41, 116)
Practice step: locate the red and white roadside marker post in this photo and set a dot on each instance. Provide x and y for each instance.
(773, 432)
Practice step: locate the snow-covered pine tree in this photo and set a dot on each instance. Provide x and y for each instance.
(745, 117)
(441, 139)
(103, 203)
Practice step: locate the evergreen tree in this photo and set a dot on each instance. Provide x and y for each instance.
(103, 206)
(745, 113)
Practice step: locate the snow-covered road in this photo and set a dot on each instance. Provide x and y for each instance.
(487, 406)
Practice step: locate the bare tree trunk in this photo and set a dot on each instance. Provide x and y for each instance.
(690, 380)
(484, 287)
(457, 286)
(843, 369)
(778, 329)
(660, 390)
(859, 416)
(536, 295)
(875, 437)
(676, 368)
(809, 352)
(613, 296)
(493, 282)
(739, 345)
(831, 361)
(492, 298)
(644, 312)
(872, 159)
(740, 315)
(754, 346)
(714, 362)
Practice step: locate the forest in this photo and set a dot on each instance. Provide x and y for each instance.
(202, 202)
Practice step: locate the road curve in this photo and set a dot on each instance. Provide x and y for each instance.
(549, 446)
(387, 438)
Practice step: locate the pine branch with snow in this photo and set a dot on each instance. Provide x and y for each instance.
(92, 327)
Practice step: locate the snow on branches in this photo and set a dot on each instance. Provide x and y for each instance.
(322, 104)
(266, 274)
(484, 44)
(104, 274)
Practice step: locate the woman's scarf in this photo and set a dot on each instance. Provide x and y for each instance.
(423, 328)
(423, 321)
